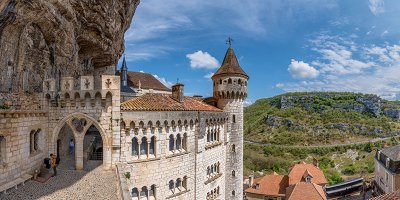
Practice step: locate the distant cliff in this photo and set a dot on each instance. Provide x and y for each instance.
(321, 117)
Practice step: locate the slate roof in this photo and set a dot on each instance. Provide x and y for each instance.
(392, 152)
(303, 190)
(165, 102)
(272, 185)
(147, 81)
(230, 65)
(298, 170)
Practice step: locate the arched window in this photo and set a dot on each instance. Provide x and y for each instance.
(211, 135)
(229, 81)
(88, 100)
(208, 171)
(31, 141)
(184, 182)
(152, 145)
(245, 83)
(144, 192)
(233, 173)
(240, 81)
(234, 118)
(178, 142)
(178, 183)
(218, 190)
(218, 168)
(184, 142)
(143, 146)
(97, 98)
(208, 136)
(212, 170)
(171, 142)
(233, 148)
(2, 149)
(233, 193)
(152, 191)
(36, 140)
(171, 185)
(215, 134)
(135, 192)
(108, 99)
(135, 146)
(220, 81)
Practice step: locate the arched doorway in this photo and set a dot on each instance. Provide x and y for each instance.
(66, 155)
(82, 128)
(92, 148)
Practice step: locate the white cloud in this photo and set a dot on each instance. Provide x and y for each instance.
(200, 59)
(300, 69)
(247, 102)
(384, 33)
(376, 6)
(163, 81)
(208, 76)
(376, 69)
(280, 85)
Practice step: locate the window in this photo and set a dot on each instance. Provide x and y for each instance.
(233, 192)
(229, 81)
(308, 179)
(135, 147)
(233, 173)
(144, 192)
(34, 141)
(178, 142)
(234, 119)
(387, 162)
(31, 141)
(184, 142)
(135, 192)
(143, 147)
(233, 148)
(171, 143)
(152, 191)
(2, 149)
(152, 145)
(220, 81)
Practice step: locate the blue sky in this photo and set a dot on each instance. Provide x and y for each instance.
(283, 45)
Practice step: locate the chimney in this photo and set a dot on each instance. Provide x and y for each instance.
(251, 180)
(177, 92)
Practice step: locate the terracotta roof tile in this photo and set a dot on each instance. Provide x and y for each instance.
(147, 81)
(274, 185)
(389, 196)
(165, 102)
(230, 65)
(298, 170)
(303, 190)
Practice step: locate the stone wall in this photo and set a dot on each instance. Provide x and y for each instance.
(165, 166)
(16, 127)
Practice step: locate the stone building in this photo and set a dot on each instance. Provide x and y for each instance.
(304, 181)
(387, 173)
(174, 146)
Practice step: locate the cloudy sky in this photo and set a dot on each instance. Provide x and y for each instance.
(283, 45)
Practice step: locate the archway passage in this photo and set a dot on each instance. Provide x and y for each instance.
(92, 148)
(67, 155)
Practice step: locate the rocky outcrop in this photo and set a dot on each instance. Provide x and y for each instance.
(277, 121)
(392, 113)
(42, 39)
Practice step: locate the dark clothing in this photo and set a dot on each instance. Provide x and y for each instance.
(55, 171)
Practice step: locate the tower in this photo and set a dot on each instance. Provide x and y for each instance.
(230, 89)
(124, 74)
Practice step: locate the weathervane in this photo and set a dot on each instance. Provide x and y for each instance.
(229, 41)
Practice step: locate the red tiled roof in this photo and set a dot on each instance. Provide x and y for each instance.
(165, 102)
(230, 65)
(147, 81)
(298, 170)
(272, 185)
(389, 196)
(303, 190)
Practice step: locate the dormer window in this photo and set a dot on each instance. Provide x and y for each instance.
(387, 162)
(257, 186)
(308, 179)
(379, 155)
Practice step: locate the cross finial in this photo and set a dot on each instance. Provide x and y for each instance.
(229, 41)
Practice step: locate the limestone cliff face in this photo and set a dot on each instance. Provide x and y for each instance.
(42, 39)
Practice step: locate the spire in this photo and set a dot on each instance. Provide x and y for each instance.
(230, 65)
(124, 73)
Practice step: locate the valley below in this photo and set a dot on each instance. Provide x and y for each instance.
(340, 130)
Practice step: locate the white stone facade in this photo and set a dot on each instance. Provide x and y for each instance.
(169, 154)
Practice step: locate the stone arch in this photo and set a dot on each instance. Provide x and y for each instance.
(80, 136)
(97, 98)
(237, 95)
(108, 99)
(229, 81)
(47, 100)
(150, 124)
(77, 99)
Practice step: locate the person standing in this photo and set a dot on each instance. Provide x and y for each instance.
(71, 146)
(54, 164)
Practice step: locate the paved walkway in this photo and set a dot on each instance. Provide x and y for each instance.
(91, 183)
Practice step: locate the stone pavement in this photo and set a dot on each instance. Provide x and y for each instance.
(91, 183)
